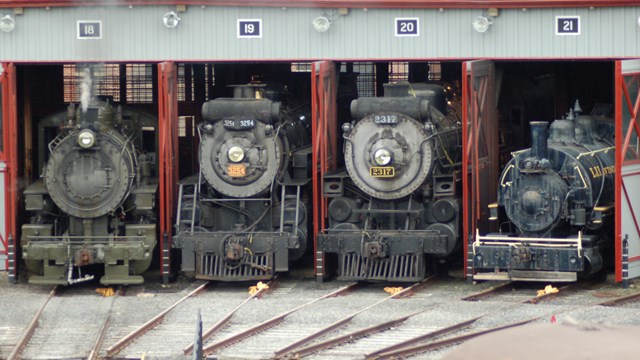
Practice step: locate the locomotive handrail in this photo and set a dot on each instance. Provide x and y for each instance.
(81, 239)
(512, 240)
(593, 152)
(504, 175)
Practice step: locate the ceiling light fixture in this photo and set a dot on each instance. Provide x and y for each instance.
(481, 24)
(171, 19)
(7, 23)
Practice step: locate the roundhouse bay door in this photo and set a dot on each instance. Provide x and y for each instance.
(480, 149)
(324, 94)
(167, 159)
(9, 192)
(627, 212)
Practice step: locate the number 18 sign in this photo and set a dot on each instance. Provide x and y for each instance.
(249, 28)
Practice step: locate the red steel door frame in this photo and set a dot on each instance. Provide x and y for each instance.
(480, 152)
(627, 113)
(9, 154)
(167, 158)
(324, 88)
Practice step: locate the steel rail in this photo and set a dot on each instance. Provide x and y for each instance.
(126, 340)
(409, 347)
(344, 321)
(95, 352)
(620, 300)
(416, 349)
(268, 323)
(31, 328)
(220, 324)
(487, 292)
(355, 335)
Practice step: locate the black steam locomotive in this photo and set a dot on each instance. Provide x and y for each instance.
(244, 216)
(95, 201)
(399, 199)
(559, 198)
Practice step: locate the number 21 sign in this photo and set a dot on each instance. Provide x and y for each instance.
(567, 25)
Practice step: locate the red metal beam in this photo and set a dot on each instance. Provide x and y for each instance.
(371, 4)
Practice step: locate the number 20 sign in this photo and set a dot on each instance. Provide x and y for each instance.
(249, 28)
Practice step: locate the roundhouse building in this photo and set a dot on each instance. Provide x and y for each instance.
(505, 62)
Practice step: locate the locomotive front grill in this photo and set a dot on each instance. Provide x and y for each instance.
(354, 267)
(253, 267)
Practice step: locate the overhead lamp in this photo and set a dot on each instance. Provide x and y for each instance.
(481, 24)
(7, 23)
(321, 24)
(171, 19)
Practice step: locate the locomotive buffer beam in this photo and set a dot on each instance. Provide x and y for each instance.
(502, 257)
(395, 242)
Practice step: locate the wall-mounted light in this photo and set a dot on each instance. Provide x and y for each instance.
(638, 20)
(481, 24)
(171, 19)
(321, 23)
(7, 23)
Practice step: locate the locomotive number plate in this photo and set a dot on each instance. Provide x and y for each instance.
(382, 171)
(237, 170)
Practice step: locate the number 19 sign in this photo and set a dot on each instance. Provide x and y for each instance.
(249, 28)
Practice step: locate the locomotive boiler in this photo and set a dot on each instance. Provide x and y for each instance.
(558, 196)
(244, 216)
(92, 211)
(397, 205)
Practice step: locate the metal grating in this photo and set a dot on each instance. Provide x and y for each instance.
(105, 81)
(214, 267)
(409, 267)
(139, 83)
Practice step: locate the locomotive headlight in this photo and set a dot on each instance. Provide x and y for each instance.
(86, 139)
(382, 157)
(235, 154)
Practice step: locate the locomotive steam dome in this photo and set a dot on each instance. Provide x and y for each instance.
(89, 173)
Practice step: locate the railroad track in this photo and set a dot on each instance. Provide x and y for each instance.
(298, 319)
(43, 338)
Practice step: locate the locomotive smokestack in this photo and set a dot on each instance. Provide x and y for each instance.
(539, 138)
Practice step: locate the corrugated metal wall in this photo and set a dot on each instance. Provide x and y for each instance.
(210, 34)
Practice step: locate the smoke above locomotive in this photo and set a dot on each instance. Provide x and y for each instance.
(94, 204)
(397, 203)
(558, 197)
(244, 215)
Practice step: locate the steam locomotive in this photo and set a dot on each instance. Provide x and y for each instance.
(95, 201)
(559, 197)
(244, 216)
(398, 201)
